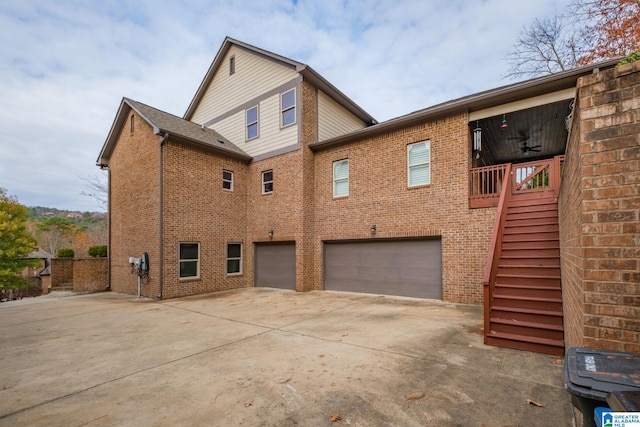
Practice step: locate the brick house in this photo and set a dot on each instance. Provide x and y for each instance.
(275, 178)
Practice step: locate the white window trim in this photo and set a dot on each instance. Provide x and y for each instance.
(336, 180)
(247, 124)
(227, 180)
(197, 260)
(410, 166)
(266, 182)
(293, 107)
(233, 258)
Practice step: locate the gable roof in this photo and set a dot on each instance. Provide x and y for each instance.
(307, 73)
(167, 124)
(486, 99)
(39, 253)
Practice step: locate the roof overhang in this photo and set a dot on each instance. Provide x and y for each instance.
(510, 96)
(307, 72)
(121, 119)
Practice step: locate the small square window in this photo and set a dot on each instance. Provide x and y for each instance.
(252, 122)
(288, 107)
(267, 182)
(189, 260)
(227, 180)
(234, 258)
(341, 178)
(419, 163)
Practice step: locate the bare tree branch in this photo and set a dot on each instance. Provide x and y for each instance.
(542, 48)
(588, 31)
(96, 187)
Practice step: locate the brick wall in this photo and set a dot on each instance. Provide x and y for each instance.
(90, 274)
(61, 271)
(300, 209)
(197, 209)
(135, 208)
(599, 213)
(378, 194)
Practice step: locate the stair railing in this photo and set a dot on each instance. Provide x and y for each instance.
(495, 248)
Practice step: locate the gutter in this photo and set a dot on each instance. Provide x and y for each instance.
(478, 101)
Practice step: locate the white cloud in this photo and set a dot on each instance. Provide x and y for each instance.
(66, 65)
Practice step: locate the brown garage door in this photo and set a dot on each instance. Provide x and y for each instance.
(410, 268)
(275, 265)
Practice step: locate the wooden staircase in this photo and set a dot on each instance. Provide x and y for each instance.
(523, 296)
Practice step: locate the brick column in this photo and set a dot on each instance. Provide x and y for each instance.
(600, 213)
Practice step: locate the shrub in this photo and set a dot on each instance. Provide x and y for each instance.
(632, 57)
(65, 253)
(99, 251)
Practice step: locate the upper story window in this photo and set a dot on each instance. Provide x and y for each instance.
(234, 258)
(252, 122)
(341, 178)
(288, 107)
(232, 64)
(227, 180)
(189, 260)
(267, 182)
(419, 163)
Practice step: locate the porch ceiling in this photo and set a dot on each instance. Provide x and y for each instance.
(540, 128)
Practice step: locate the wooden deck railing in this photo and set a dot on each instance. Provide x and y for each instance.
(485, 184)
(495, 247)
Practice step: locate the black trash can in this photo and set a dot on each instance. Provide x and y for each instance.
(590, 375)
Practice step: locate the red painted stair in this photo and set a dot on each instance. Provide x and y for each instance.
(525, 310)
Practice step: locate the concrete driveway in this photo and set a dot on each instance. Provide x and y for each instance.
(263, 357)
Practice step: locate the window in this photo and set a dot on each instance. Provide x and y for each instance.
(267, 182)
(131, 124)
(234, 258)
(232, 64)
(419, 163)
(252, 122)
(288, 107)
(227, 180)
(189, 260)
(341, 178)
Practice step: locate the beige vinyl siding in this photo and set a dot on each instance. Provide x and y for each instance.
(233, 128)
(333, 119)
(254, 75)
(271, 136)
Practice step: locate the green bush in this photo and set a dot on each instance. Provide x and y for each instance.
(632, 57)
(99, 251)
(65, 253)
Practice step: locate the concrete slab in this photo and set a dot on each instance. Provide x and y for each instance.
(259, 357)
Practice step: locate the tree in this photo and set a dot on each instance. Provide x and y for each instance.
(588, 31)
(97, 188)
(16, 243)
(54, 233)
(545, 47)
(611, 28)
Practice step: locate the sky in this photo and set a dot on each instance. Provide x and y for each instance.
(65, 66)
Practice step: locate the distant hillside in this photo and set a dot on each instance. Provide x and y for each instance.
(40, 213)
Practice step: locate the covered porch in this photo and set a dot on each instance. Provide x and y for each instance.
(517, 155)
(530, 134)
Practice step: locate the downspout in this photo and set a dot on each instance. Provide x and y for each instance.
(163, 139)
(108, 229)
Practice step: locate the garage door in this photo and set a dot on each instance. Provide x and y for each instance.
(275, 265)
(410, 268)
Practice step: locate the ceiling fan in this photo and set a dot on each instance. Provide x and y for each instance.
(525, 148)
(523, 137)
